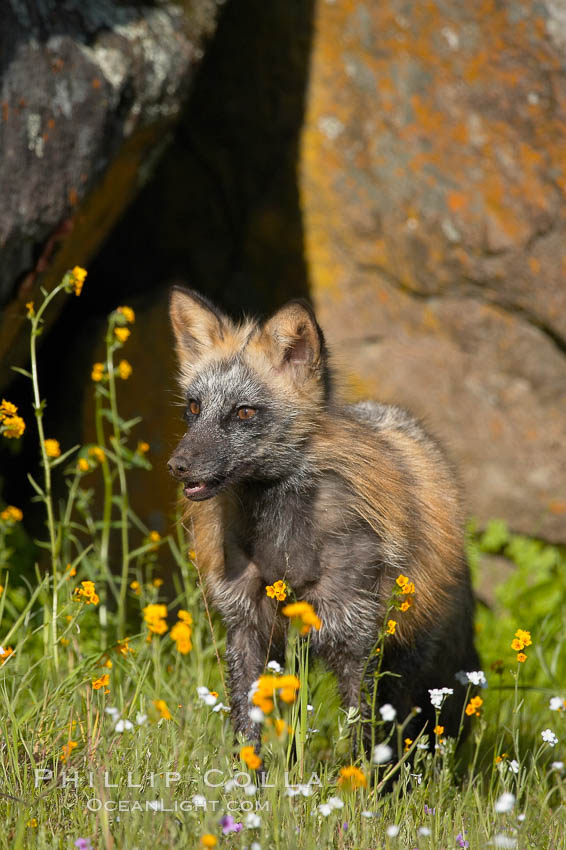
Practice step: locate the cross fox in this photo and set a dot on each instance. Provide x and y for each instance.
(286, 481)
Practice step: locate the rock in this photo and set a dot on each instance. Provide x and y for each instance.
(401, 164)
(432, 177)
(89, 92)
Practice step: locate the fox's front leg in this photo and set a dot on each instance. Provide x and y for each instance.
(246, 652)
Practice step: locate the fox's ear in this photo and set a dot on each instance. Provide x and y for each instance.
(297, 342)
(197, 324)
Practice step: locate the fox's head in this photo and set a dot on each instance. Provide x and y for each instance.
(253, 393)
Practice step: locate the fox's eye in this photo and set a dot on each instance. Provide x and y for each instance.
(194, 407)
(246, 412)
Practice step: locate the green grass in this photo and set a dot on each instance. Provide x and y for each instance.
(165, 782)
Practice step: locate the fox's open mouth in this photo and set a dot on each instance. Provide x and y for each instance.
(197, 491)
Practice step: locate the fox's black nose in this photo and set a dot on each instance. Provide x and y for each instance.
(178, 467)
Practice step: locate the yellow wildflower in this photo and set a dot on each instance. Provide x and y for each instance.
(136, 587)
(128, 314)
(268, 686)
(11, 514)
(83, 464)
(523, 636)
(154, 536)
(521, 657)
(101, 682)
(123, 647)
(108, 663)
(5, 653)
(78, 276)
(32, 823)
(121, 334)
(408, 588)
(438, 730)
(352, 777)
(181, 634)
(500, 758)
(162, 708)
(408, 742)
(7, 408)
(87, 593)
(52, 448)
(250, 757)
(124, 369)
(65, 641)
(12, 427)
(304, 612)
(277, 590)
(402, 580)
(97, 453)
(143, 447)
(406, 604)
(391, 626)
(30, 311)
(71, 570)
(1, 589)
(474, 705)
(185, 617)
(208, 840)
(157, 582)
(97, 373)
(281, 727)
(155, 617)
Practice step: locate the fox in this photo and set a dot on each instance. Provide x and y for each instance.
(287, 481)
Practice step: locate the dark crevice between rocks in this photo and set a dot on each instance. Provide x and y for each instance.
(221, 214)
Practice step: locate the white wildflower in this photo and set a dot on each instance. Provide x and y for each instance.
(275, 666)
(256, 715)
(295, 790)
(335, 803)
(514, 766)
(206, 696)
(382, 753)
(199, 801)
(424, 830)
(113, 712)
(418, 777)
(141, 718)
(477, 677)
(437, 695)
(250, 789)
(549, 737)
(506, 841)
(556, 704)
(252, 821)
(557, 765)
(123, 726)
(388, 713)
(255, 846)
(366, 814)
(392, 830)
(505, 803)
(324, 809)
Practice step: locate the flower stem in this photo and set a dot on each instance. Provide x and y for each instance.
(54, 543)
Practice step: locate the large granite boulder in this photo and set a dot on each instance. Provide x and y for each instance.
(89, 91)
(433, 181)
